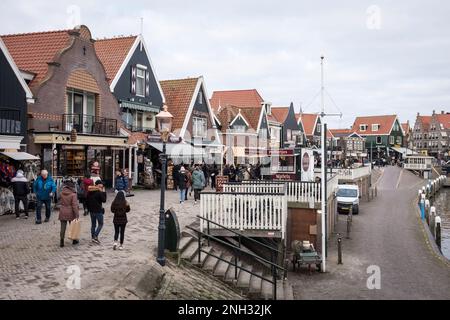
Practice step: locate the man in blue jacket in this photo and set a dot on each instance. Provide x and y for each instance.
(44, 187)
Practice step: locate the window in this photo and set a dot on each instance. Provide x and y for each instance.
(375, 127)
(139, 117)
(399, 140)
(200, 127)
(379, 140)
(319, 128)
(200, 97)
(391, 140)
(289, 135)
(240, 128)
(81, 108)
(363, 127)
(140, 82)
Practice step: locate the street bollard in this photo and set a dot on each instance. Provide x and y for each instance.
(432, 220)
(438, 232)
(422, 209)
(348, 226)
(339, 240)
(376, 191)
(427, 211)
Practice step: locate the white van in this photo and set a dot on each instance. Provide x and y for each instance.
(348, 197)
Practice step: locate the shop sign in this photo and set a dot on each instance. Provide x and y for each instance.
(284, 177)
(220, 181)
(281, 152)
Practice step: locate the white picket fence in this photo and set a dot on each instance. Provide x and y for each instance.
(244, 211)
(254, 188)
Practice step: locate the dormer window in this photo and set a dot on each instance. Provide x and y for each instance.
(140, 81)
(363, 127)
(375, 127)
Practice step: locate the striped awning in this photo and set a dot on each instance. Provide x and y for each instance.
(139, 106)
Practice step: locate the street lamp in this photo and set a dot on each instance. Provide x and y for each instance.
(164, 122)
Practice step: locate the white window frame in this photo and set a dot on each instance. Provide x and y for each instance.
(391, 140)
(381, 140)
(375, 127)
(195, 127)
(363, 127)
(140, 78)
(200, 97)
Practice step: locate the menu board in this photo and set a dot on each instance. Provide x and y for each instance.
(220, 181)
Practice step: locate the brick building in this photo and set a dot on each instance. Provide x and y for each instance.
(431, 134)
(75, 119)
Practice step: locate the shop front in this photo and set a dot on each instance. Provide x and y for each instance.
(69, 155)
(284, 164)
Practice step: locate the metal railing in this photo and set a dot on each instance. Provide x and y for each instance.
(90, 124)
(10, 121)
(237, 251)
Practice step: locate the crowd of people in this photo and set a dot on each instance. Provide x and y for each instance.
(89, 191)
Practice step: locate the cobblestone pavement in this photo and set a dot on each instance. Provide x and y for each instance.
(33, 266)
(387, 233)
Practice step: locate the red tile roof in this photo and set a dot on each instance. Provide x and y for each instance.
(341, 132)
(113, 52)
(426, 121)
(238, 98)
(280, 113)
(444, 119)
(228, 114)
(309, 121)
(252, 115)
(179, 94)
(33, 51)
(385, 122)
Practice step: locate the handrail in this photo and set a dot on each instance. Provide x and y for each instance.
(241, 235)
(273, 266)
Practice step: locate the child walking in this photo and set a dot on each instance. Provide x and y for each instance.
(120, 207)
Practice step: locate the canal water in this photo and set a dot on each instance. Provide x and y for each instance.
(442, 204)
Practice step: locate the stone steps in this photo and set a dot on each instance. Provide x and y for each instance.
(252, 286)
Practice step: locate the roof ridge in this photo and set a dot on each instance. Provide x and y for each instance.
(35, 33)
(190, 78)
(116, 38)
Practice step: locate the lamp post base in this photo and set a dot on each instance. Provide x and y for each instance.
(161, 261)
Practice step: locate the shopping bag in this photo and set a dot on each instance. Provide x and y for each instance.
(75, 230)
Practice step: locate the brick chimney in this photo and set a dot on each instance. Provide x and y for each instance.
(434, 112)
(442, 112)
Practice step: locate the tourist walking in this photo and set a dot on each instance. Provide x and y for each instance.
(86, 183)
(121, 182)
(188, 182)
(120, 208)
(214, 174)
(95, 199)
(21, 189)
(68, 210)
(198, 182)
(44, 187)
(182, 184)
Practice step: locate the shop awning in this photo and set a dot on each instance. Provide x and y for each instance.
(139, 106)
(178, 150)
(20, 156)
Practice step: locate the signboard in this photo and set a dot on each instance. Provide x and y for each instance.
(307, 165)
(281, 152)
(284, 177)
(220, 181)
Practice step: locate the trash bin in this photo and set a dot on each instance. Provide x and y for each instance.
(173, 235)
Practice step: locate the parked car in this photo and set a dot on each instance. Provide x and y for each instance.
(348, 197)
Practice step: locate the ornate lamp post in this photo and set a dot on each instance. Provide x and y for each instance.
(164, 121)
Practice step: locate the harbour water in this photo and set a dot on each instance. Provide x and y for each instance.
(442, 204)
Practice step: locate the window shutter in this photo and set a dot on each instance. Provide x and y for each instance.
(133, 79)
(147, 83)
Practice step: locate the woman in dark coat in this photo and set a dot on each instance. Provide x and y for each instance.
(69, 208)
(120, 208)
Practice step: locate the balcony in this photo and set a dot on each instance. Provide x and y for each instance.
(90, 124)
(10, 123)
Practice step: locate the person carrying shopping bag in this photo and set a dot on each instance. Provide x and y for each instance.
(120, 208)
(68, 211)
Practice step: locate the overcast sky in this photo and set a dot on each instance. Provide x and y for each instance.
(382, 57)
